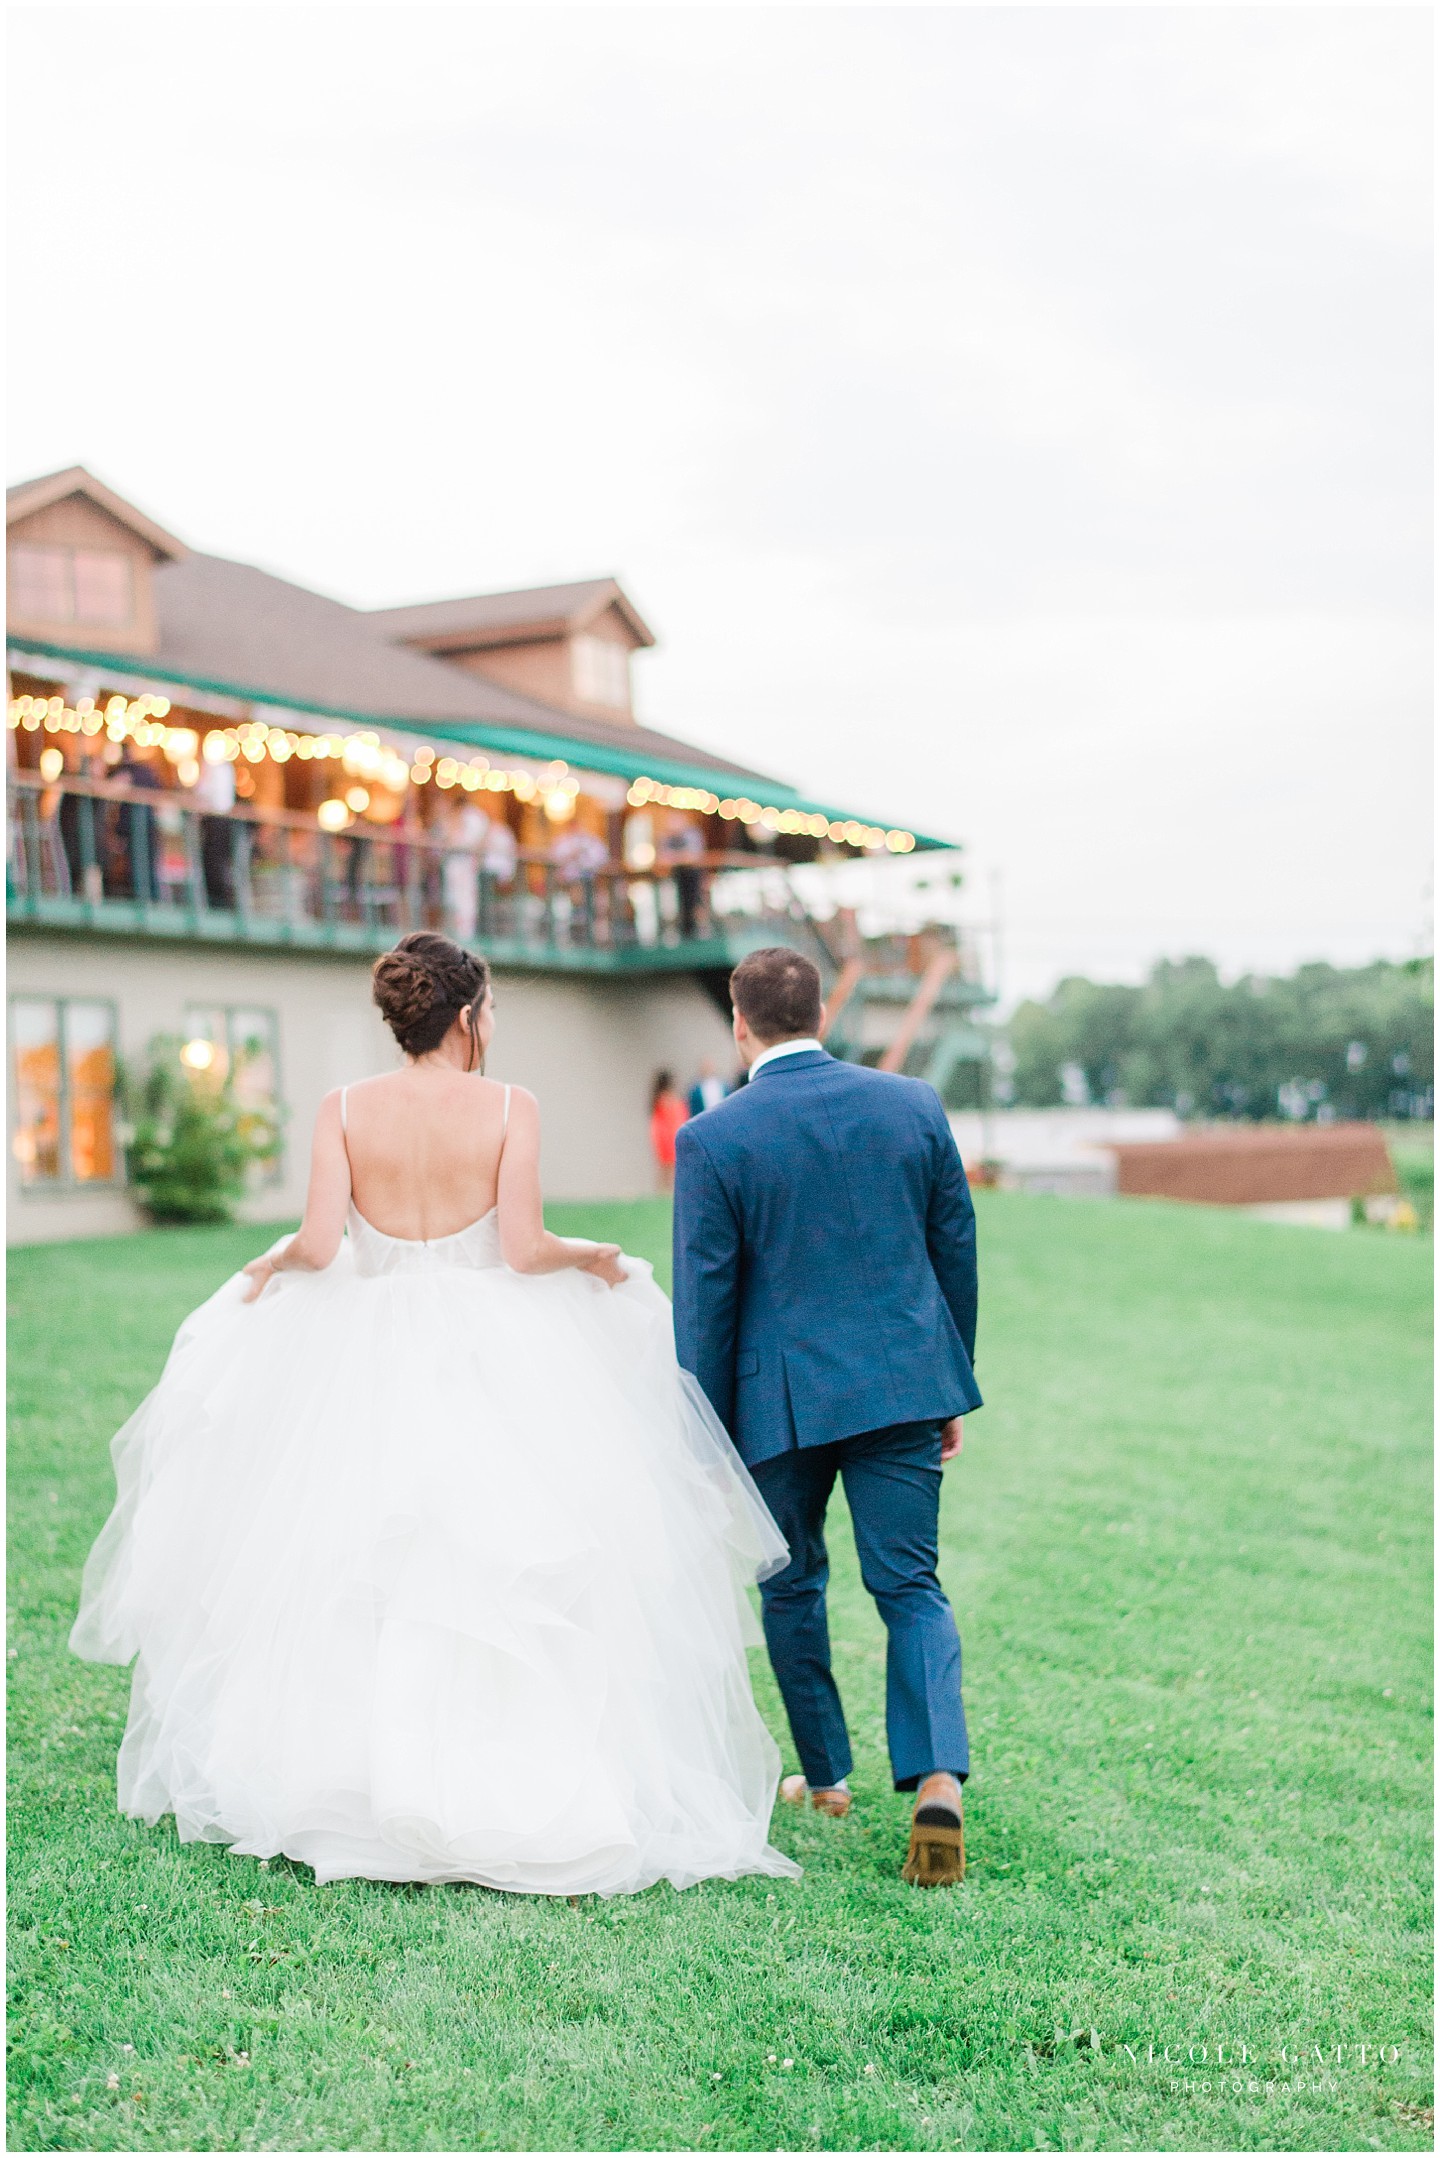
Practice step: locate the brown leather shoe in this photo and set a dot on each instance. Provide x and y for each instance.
(936, 1857)
(795, 1790)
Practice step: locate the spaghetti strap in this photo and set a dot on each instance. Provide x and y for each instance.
(505, 1117)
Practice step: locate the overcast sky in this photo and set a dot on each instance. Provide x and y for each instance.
(1014, 422)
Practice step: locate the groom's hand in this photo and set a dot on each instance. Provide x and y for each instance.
(952, 1438)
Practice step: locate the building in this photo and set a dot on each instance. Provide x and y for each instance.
(1312, 1174)
(227, 794)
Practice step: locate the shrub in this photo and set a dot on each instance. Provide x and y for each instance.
(191, 1144)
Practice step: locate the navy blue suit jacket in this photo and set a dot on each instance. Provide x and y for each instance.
(824, 1256)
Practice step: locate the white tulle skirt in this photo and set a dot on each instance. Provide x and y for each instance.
(438, 1575)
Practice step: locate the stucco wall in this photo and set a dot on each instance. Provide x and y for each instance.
(588, 1051)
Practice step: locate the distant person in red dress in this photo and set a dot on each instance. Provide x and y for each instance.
(667, 1113)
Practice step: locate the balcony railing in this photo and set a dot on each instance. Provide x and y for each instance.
(106, 855)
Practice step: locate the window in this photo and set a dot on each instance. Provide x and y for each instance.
(102, 588)
(65, 584)
(246, 1042)
(89, 1031)
(64, 1061)
(602, 672)
(40, 586)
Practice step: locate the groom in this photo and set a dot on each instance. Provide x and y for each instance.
(825, 1300)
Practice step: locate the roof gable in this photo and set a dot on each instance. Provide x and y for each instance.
(521, 617)
(31, 496)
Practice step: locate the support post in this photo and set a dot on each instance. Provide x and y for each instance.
(918, 1010)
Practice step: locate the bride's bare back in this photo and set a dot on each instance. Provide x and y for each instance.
(425, 1148)
(428, 1151)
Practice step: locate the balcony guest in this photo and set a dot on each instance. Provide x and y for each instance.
(579, 857)
(501, 853)
(465, 831)
(498, 862)
(215, 795)
(681, 850)
(85, 763)
(139, 840)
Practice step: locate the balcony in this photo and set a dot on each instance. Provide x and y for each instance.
(109, 858)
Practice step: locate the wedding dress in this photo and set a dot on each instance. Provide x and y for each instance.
(435, 1572)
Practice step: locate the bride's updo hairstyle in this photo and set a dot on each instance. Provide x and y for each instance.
(423, 986)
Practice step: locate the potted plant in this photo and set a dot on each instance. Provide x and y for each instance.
(190, 1145)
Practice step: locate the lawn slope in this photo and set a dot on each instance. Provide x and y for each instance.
(1188, 1545)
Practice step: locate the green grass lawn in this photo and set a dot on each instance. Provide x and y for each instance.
(1189, 1548)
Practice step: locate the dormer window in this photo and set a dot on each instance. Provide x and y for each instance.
(565, 645)
(71, 584)
(602, 672)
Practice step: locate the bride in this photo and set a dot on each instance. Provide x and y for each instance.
(431, 1558)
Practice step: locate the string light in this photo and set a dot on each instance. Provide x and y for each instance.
(740, 809)
(364, 758)
(121, 716)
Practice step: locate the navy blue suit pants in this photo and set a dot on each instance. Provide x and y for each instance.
(892, 1487)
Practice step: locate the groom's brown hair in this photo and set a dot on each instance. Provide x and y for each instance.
(777, 993)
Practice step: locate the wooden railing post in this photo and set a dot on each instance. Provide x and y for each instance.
(30, 840)
(91, 876)
(327, 878)
(240, 871)
(414, 885)
(194, 866)
(141, 858)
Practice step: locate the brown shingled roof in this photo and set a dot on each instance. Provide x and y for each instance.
(227, 622)
(491, 618)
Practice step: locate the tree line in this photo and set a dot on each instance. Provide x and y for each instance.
(1323, 1042)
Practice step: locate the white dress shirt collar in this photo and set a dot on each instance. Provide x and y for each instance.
(782, 1049)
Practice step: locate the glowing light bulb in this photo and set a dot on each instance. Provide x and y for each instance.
(52, 763)
(198, 1055)
(332, 816)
